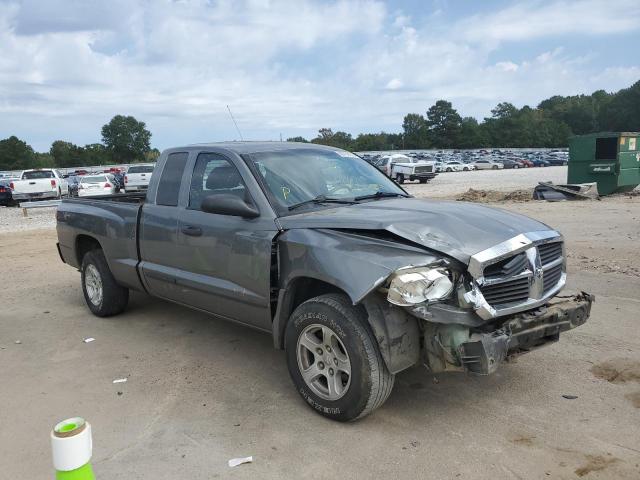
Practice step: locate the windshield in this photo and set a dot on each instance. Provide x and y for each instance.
(141, 169)
(37, 174)
(299, 175)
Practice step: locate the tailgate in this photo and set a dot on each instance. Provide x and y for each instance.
(33, 186)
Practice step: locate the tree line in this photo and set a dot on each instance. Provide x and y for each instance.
(124, 140)
(550, 124)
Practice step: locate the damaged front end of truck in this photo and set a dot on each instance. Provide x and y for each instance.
(449, 307)
(505, 303)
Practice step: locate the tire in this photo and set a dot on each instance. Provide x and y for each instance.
(369, 383)
(448, 170)
(95, 274)
(400, 178)
(423, 180)
(495, 167)
(465, 169)
(515, 167)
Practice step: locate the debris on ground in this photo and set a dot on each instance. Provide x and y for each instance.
(554, 193)
(120, 380)
(570, 397)
(18, 342)
(473, 195)
(234, 462)
(88, 340)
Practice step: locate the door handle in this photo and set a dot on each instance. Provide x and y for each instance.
(191, 231)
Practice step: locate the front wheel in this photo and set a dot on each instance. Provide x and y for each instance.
(495, 167)
(102, 293)
(423, 180)
(334, 359)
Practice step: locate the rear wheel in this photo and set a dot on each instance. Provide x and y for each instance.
(102, 293)
(334, 359)
(400, 178)
(423, 180)
(495, 167)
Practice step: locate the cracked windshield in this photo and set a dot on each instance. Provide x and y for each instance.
(300, 177)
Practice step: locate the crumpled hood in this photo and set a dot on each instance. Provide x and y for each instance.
(457, 229)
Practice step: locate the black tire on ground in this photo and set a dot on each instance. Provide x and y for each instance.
(423, 180)
(400, 178)
(114, 297)
(465, 169)
(495, 167)
(369, 384)
(516, 167)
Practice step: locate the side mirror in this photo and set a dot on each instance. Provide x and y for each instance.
(227, 204)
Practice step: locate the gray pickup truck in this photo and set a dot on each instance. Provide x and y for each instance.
(353, 278)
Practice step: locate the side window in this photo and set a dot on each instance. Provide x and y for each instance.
(169, 185)
(214, 174)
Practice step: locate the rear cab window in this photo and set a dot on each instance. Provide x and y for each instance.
(171, 179)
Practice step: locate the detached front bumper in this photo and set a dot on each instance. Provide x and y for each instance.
(484, 351)
(480, 348)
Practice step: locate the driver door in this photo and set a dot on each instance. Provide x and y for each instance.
(226, 260)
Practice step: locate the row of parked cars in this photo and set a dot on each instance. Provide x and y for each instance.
(51, 184)
(423, 166)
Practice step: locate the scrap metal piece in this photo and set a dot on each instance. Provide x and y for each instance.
(581, 191)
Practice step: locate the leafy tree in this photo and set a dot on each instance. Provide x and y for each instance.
(297, 139)
(66, 154)
(414, 127)
(622, 112)
(372, 141)
(326, 136)
(152, 155)
(444, 124)
(127, 139)
(15, 154)
(471, 135)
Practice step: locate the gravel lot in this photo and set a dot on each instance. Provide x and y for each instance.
(201, 391)
(447, 185)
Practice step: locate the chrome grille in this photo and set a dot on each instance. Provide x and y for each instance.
(507, 292)
(551, 277)
(549, 252)
(519, 274)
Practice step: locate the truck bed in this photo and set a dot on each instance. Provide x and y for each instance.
(112, 220)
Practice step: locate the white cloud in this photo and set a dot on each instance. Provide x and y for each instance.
(394, 84)
(283, 65)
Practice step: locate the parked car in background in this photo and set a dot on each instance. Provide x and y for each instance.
(39, 184)
(401, 167)
(510, 163)
(118, 178)
(73, 182)
(6, 198)
(539, 162)
(137, 178)
(487, 165)
(557, 161)
(94, 185)
(526, 162)
(456, 166)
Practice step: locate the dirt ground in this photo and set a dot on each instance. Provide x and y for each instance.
(201, 391)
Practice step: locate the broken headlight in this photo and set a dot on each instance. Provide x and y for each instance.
(417, 285)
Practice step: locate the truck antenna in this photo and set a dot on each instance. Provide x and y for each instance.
(234, 122)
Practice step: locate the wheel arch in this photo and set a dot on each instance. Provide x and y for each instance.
(84, 244)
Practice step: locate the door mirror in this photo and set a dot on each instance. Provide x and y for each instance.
(227, 204)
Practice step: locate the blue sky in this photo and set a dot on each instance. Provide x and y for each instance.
(291, 67)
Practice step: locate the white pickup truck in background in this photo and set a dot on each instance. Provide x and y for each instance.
(39, 184)
(401, 167)
(137, 178)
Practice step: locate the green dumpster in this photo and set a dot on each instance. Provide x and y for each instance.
(611, 159)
